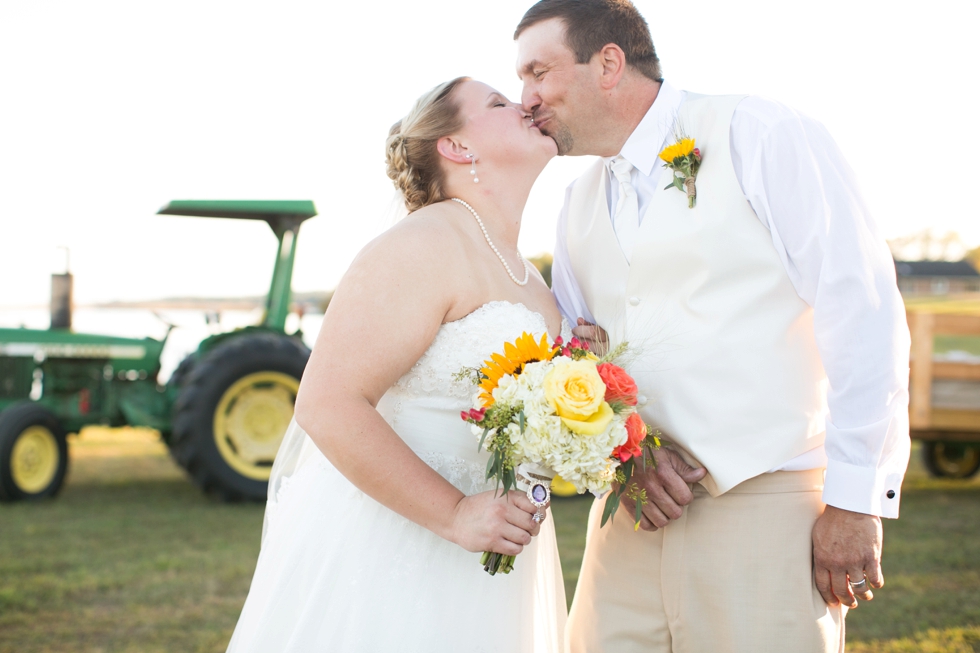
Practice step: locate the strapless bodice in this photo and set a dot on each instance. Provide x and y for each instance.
(423, 406)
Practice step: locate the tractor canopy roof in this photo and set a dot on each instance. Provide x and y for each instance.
(275, 212)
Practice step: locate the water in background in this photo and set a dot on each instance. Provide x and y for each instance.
(191, 326)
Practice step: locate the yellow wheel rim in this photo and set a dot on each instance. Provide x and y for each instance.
(251, 419)
(955, 461)
(34, 459)
(562, 488)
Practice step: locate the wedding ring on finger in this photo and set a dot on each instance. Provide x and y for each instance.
(539, 494)
(860, 587)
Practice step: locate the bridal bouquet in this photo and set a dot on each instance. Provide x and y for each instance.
(543, 410)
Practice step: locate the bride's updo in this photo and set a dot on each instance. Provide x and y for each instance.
(410, 151)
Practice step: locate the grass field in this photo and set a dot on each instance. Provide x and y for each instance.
(131, 557)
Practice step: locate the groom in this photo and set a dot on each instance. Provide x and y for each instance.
(773, 349)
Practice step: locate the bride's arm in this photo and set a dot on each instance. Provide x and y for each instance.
(383, 316)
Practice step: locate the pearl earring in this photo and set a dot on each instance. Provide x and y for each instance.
(476, 180)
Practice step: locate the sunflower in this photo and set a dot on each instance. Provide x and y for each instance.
(679, 149)
(523, 351)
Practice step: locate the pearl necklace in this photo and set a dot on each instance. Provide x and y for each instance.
(494, 247)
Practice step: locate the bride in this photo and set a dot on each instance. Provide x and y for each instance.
(378, 509)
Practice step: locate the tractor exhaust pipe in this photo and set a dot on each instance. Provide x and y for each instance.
(61, 301)
(61, 298)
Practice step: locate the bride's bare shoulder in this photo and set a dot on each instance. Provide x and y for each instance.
(426, 242)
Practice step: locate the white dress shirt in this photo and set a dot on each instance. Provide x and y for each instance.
(802, 190)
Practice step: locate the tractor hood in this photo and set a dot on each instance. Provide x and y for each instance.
(142, 353)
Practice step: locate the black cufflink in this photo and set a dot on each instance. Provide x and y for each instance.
(890, 494)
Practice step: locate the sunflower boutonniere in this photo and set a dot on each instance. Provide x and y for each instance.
(683, 159)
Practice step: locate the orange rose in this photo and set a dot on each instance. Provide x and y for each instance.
(636, 430)
(620, 386)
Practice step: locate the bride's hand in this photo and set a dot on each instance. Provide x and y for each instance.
(488, 522)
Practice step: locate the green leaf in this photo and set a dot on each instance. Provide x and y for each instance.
(674, 184)
(510, 481)
(520, 419)
(639, 511)
(609, 509)
(627, 468)
(490, 467)
(486, 430)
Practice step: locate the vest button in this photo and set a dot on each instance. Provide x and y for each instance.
(641, 400)
(634, 301)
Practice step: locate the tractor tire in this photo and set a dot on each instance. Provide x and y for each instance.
(182, 372)
(33, 453)
(176, 381)
(959, 460)
(232, 412)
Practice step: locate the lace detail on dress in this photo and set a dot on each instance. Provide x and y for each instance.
(467, 342)
(469, 478)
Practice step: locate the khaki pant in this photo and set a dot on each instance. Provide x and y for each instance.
(733, 575)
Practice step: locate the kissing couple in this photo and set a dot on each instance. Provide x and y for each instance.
(724, 234)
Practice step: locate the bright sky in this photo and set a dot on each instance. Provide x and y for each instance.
(110, 109)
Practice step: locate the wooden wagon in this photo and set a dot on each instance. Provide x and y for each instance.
(944, 406)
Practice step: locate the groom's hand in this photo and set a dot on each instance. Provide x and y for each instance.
(594, 335)
(667, 489)
(846, 545)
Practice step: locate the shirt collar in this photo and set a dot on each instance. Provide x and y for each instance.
(644, 144)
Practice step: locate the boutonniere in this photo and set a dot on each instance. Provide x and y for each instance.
(683, 159)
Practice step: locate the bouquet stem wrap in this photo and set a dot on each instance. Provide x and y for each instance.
(526, 475)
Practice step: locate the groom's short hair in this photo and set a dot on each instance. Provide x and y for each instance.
(591, 24)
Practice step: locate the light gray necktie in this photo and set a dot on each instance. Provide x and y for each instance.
(626, 222)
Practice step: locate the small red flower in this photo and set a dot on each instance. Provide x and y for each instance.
(697, 153)
(559, 341)
(473, 415)
(566, 352)
(636, 430)
(574, 343)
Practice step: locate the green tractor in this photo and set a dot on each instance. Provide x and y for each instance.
(223, 412)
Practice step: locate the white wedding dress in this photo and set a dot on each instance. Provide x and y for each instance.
(340, 572)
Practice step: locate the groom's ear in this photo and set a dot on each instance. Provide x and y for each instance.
(452, 149)
(613, 61)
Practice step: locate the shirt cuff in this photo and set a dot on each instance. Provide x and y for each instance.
(863, 489)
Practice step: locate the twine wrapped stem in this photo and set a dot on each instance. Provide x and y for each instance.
(692, 191)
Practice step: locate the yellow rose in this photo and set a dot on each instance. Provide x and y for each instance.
(576, 391)
(594, 425)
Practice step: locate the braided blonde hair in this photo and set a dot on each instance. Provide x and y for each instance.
(410, 151)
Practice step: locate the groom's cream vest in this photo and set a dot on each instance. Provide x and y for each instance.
(725, 356)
